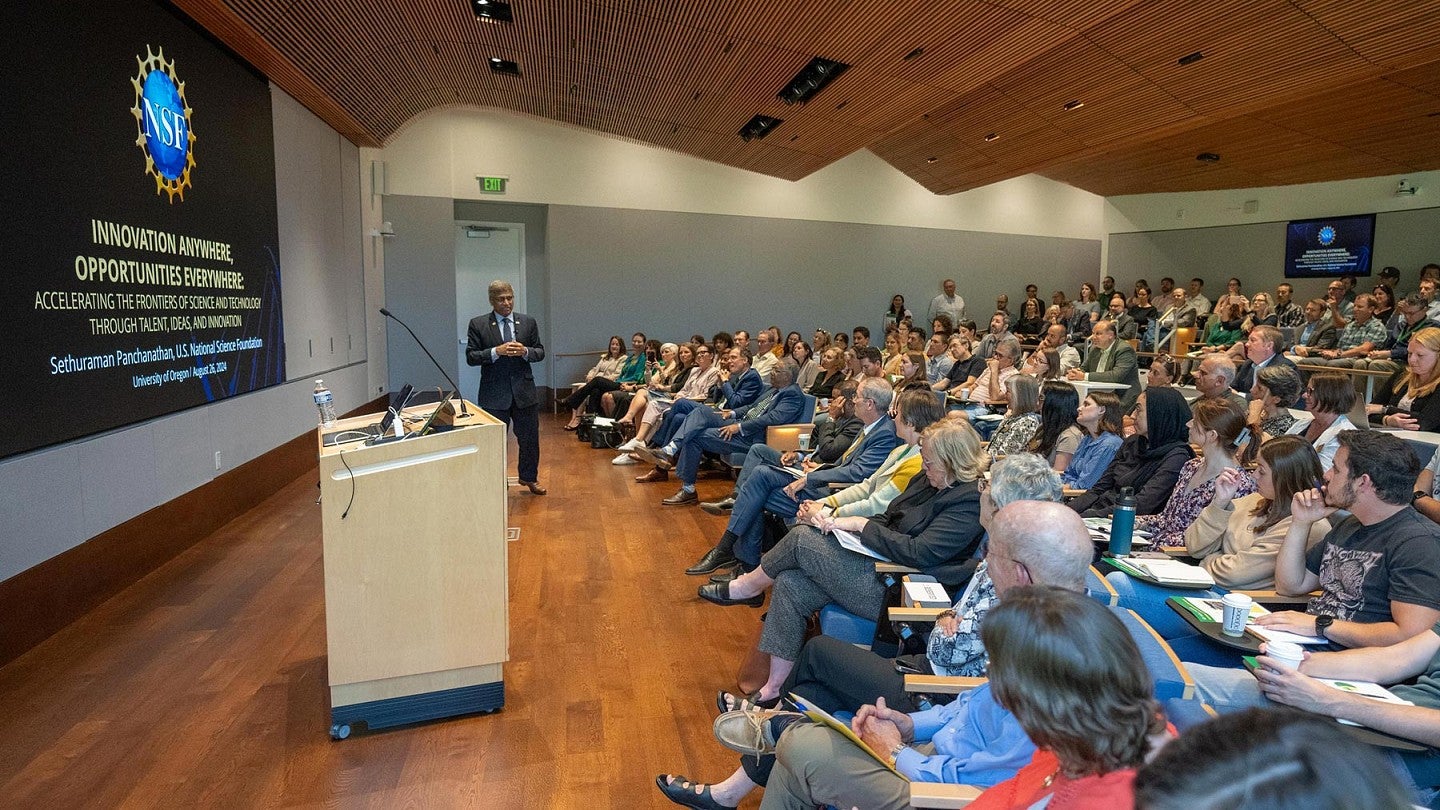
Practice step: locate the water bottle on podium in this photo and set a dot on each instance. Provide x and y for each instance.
(325, 403)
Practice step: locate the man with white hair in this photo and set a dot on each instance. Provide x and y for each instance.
(1213, 379)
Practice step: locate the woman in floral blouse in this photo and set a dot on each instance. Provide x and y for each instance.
(1215, 425)
(1021, 420)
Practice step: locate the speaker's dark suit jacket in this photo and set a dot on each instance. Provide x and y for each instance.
(505, 382)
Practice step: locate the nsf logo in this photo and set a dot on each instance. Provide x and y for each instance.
(1327, 235)
(162, 119)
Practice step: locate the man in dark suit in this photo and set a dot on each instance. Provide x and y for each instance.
(708, 431)
(1110, 359)
(1262, 348)
(1318, 332)
(742, 389)
(771, 489)
(505, 343)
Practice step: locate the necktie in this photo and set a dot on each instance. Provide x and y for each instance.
(849, 451)
(1104, 364)
(505, 333)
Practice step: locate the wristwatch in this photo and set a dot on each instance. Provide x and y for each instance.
(1417, 495)
(1322, 623)
(896, 749)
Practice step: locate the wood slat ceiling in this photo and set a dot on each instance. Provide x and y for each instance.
(1288, 92)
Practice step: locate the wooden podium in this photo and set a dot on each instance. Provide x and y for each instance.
(416, 609)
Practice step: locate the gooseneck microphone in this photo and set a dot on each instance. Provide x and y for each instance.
(421, 344)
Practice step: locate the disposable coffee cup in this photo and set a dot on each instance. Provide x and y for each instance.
(1285, 654)
(1236, 614)
(805, 442)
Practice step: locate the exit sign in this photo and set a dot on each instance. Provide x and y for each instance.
(493, 185)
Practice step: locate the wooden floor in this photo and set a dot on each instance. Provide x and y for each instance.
(205, 684)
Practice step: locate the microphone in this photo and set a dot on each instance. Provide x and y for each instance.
(418, 342)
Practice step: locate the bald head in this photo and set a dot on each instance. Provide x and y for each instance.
(1048, 540)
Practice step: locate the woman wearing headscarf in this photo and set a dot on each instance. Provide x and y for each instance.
(1148, 462)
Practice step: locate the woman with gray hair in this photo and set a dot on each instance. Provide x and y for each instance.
(1021, 420)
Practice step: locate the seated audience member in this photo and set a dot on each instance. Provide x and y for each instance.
(1361, 336)
(870, 363)
(1262, 350)
(821, 341)
(828, 442)
(1262, 313)
(964, 367)
(1268, 415)
(727, 430)
(1060, 663)
(1215, 425)
(841, 338)
(991, 390)
(1271, 758)
(852, 364)
(892, 354)
(1039, 543)
(942, 324)
(663, 387)
(1144, 314)
(912, 372)
(937, 359)
(1427, 289)
(1042, 364)
(1077, 322)
(1329, 398)
(1213, 379)
(1236, 540)
(1410, 318)
(1317, 332)
(802, 358)
(1378, 570)
(1058, 437)
(1088, 303)
(1058, 339)
(1100, 418)
(1197, 298)
(768, 488)
(739, 387)
(1125, 326)
(1337, 298)
(1234, 294)
(1021, 420)
(765, 360)
(1407, 400)
(861, 335)
(1148, 462)
(968, 329)
(829, 375)
(1179, 313)
(1162, 372)
(999, 334)
(1385, 310)
(1032, 320)
(914, 412)
(722, 343)
(1002, 306)
(790, 340)
(1223, 330)
(1288, 314)
(605, 372)
(934, 526)
(704, 377)
(1110, 360)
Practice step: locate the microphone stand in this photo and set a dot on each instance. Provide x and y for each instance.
(463, 412)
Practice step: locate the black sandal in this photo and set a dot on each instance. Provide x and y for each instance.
(726, 702)
(681, 791)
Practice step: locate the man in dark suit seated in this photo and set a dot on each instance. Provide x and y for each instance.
(709, 431)
(505, 343)
(1110, 360)
(774, 490)
(1262, 348)
(742, 388)
(1318, 332)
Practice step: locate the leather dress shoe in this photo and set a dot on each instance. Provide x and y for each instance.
(534, 487)
(719, 593)
(653, 477)
(684, 497)
(713, 561)
(655, 456)
(726, 574)
(719, 507)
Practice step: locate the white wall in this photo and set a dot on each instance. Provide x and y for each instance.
(57, 498)
(1208, 209)
(440, 153)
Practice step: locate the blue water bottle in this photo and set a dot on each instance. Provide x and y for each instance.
(1122, 524)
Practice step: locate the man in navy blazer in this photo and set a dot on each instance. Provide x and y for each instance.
(505, 342)
(1262, 348)
(709, 431)
(774, 490)
(742, 389)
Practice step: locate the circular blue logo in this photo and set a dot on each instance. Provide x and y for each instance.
(1327, 236)
(167, 136)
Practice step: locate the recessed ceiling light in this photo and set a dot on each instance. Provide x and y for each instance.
(505, 66)
(915, 54)
(1190, 59)
(994, 136)
(759, 127)
(931, 159)
(1074, 105)
(811, 80)
(1208, 157)
(492, 11)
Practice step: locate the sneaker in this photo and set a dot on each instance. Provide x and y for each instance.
(630, 446)
(624, 460)
(753, 732)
